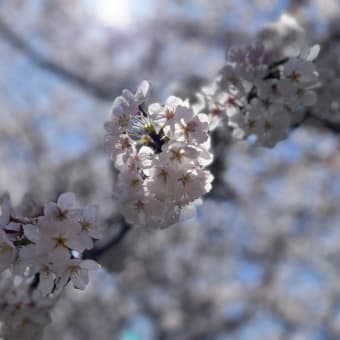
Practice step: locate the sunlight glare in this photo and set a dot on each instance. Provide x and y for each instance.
(116, 13)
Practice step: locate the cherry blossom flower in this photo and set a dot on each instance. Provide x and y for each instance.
(62, 209)
(260, 95)
(76, 271)
(162, 170)
(39, 246)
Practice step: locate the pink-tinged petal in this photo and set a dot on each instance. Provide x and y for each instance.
(28, 254)
(184, 113)
(155, 109)
(66, 200)
(143, 91)
(80, 278)
(90, 265)
(44, 245)
(309, 53)
(75, 214)
(59, 258)
(172, 102)
(58, 253)
(76, 243)
(68, 228)
(61, 281)
(188, 211)
(32, 232)
(111, 128)
(127, 94)
(85, 239)
(46, 283)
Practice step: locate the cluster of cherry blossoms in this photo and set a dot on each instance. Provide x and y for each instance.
(48, 248)
(24, 312)
(260, 96)
(39, 256)
(161, 152)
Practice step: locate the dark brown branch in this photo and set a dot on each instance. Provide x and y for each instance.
(97, 252)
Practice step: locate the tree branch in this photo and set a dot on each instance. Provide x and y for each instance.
(14, 40)
(313, 120)
(97, 252)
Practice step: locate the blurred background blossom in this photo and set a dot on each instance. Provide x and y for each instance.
(261, 258)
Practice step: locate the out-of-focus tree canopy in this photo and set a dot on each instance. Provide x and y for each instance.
(260, 260)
